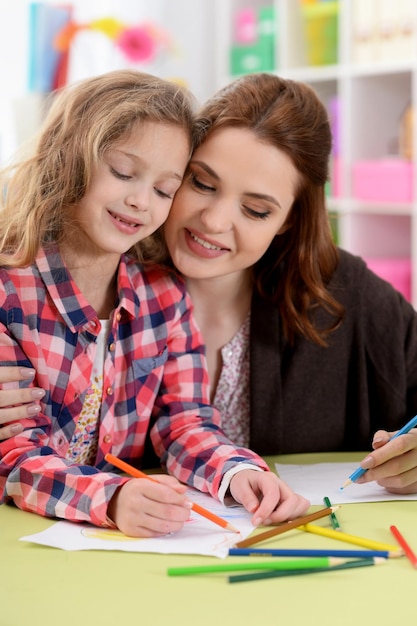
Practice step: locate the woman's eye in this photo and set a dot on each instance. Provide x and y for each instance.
(259, 215)
(195, 182)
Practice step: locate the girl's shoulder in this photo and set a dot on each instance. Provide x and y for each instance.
(156, 283)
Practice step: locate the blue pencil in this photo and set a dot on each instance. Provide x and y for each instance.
(361, 471)
(301, 552)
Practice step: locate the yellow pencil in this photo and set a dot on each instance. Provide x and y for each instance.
(358, 541)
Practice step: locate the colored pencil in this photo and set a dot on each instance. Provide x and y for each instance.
(136, 473)
(297, 572)
(282, 528)
(361, 471)
(359, 541)
(253, 565)
(411, 556)
(356, 554)
(333, 519)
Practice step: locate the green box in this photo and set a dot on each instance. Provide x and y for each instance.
(266, 23)
(248, 59)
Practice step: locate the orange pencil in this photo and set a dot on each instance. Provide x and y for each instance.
(135, 473)
(407, 549)
(282, 528)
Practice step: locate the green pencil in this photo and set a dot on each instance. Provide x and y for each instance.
(262, 565)
(333, 518)
(299, 572)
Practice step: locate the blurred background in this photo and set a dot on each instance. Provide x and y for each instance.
(360, 56)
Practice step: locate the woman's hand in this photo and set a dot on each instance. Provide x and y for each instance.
(266, 496)
(145, 508)
(17, 403)
(393, 462)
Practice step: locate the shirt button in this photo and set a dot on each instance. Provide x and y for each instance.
(107, 438)
(109, 391)
(112, 347)
(119, 317)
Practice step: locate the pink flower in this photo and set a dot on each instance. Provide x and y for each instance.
(137, 44)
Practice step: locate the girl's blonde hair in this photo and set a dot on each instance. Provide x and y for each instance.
(84, 120)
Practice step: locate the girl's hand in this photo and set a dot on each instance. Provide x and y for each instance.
(17, 403)
(266, 496)
(144, 508)
(392, 464)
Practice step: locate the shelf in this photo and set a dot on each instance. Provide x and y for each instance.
(374, 81)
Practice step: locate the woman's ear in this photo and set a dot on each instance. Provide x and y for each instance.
(283, 229)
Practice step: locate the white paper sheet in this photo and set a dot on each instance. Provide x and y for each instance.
(325, 479)
(198, 536)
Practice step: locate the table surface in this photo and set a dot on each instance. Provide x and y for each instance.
(41, 585)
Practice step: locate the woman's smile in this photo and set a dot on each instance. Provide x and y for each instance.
(202, 246)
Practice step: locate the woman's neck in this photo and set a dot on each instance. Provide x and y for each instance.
(221, 306)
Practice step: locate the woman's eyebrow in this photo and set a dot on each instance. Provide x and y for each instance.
(262, 196)
(205, 167)
(250, 194)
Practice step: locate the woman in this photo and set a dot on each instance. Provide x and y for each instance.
(307, 349)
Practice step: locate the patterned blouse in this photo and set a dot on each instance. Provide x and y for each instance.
(232, 392)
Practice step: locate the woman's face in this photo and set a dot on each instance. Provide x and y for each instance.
(236, 196)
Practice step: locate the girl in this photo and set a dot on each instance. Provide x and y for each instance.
(114, 345)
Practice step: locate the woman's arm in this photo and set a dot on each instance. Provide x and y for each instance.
(17, 403)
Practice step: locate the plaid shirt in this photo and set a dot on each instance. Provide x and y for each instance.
(154, 378)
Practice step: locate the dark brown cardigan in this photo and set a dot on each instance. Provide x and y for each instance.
(306, 398)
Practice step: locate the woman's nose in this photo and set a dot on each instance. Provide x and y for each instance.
(217, 217)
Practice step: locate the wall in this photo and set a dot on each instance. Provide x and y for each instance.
(188, 21)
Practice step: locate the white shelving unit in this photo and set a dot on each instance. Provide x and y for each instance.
(374, 85)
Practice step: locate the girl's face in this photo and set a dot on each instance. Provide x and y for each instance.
(132, 188)
(236, 196)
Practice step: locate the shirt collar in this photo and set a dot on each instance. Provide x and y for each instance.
(68, 299)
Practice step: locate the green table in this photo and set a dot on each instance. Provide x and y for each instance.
(45, 586)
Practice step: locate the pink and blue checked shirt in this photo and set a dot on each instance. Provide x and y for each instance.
(154, 378)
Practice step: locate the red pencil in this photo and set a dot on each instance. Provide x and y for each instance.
(407, 549)
(136, 473)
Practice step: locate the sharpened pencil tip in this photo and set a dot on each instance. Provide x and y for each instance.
(232, 528)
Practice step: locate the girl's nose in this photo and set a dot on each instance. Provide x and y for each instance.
(139, 198)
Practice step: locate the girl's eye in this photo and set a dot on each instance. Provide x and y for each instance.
(259, 215)
(163, 194)
(199, 185)
(119, 174)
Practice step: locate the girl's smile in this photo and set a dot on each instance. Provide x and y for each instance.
(124, 224)
(131, 190)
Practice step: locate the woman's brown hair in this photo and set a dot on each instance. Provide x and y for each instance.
(294, 271)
